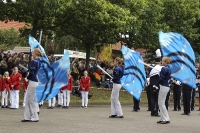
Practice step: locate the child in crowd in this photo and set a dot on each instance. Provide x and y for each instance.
(85, 88)
(25, 87)
(5, 89)
(60, 98)
(67, 90)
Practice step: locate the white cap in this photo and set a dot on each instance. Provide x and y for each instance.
(158, 53)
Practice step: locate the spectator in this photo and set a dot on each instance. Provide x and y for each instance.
(10, 65)
(4, 65)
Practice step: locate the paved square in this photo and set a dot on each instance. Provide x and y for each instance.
(95, 119)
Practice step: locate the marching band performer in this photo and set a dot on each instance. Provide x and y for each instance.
(177, 95)
(164, 89)
(31, 107)
(85, 88)
(5, 90)
(116, 110)
(60, 98)
(25, 88)
(51, 103)
(67, 90)
(15, 78)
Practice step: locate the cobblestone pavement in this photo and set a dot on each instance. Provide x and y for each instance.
(95, 119)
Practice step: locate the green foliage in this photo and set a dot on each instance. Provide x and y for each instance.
(38, 14)
(183, 17)
(92, 22)
(68, 42)
(8, 38)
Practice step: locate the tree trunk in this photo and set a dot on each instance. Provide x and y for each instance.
(87, 47)
(34, 29)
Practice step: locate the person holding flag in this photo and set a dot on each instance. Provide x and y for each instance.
(31, 107)
(116, 110)
(164, 89)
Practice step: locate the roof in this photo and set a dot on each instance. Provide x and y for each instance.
(11, 24)
(22, 49)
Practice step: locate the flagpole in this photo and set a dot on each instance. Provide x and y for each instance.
(40, 37)
(104, 71)
(146, 64)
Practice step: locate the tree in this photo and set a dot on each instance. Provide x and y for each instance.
(183, 17)
(92, 22)
(67, 42)
(8, 38)
(37, 14)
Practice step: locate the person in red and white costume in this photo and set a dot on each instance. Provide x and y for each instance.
(67, 90)
(15, 79)
(25, 88)
(60, 98)
(5, 82)
(85, 88)
(51, 103)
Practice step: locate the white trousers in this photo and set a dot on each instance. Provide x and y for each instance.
(52, 102)
(4, 98)
(84, 95)
(14, 98)
(116, 108)
(31, 107)
(161, 103)
(66, 96)
(24, 99)
(60, 98)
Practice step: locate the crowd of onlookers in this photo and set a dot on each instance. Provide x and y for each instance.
(96, 74)
(10, 60)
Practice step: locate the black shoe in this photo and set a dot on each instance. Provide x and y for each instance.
(159, 121)
(113, 116)
(48, 107)
(52, 107)
(183, 113)
(24, 120)
(174, 110)
(33, 121)
(7, 107)
(192, 109)
(82, 106)
(3, 106)
(179, 109)
(119, 116)
(135, 110)
(59, 106)
(157, 115)
(165, 122)
(148, 110)
(11, 108)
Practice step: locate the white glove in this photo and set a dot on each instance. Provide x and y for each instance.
(155, 87)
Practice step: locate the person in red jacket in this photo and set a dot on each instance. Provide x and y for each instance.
(15, 79)
(67, 90)
(85, 88)
(25, 88)
(5, 83)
